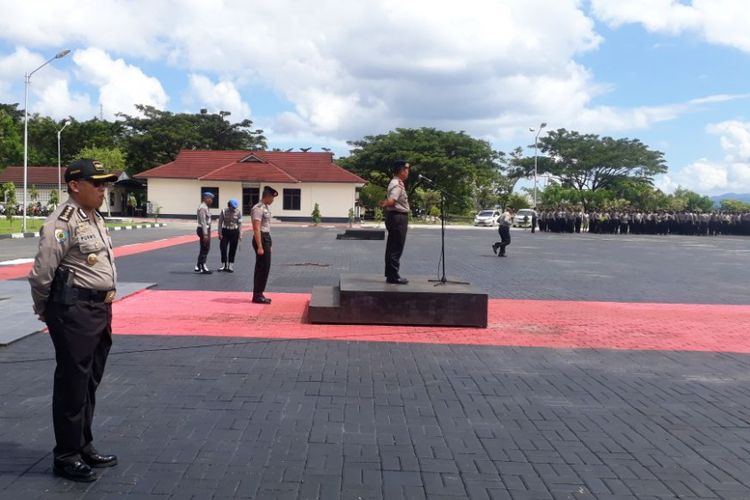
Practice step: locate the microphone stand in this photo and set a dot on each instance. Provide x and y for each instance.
(443, 215)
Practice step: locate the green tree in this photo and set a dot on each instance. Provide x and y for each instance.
(691, 201)
(157, 136)
(33, 193)
(9, 194)
(316, 214)
(455, 160)
(590, 163)
(11, 143)
(54, 198)
(112, 159)
(734, 206)
(517, 201)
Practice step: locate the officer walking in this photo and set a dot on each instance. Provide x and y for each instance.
(230, 223)
(396, 205)
(261, 217)
(73, 284)
(503, 227)
(204, 232)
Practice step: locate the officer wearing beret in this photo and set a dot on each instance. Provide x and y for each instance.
(230, 222)
(73, 284)
(261, 216)
(204, 232)
(396, 205)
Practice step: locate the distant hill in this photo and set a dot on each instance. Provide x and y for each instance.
(744, 197)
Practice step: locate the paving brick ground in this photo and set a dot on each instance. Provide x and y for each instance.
(239, 417)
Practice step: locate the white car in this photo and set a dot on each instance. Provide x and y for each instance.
(523, 217)
(487, 218)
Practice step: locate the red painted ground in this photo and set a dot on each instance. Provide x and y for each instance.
(529, 323)
(22, 270)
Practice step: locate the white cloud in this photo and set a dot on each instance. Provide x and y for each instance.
(121, 85)
(49, 91)
(489, 67)
(221, 96)
(722, 22)
(732, 174)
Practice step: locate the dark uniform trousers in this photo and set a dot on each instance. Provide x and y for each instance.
(229, 238)
(397, 223)
(82, 336)
(504, 238)
(262, 265)
(205, 246)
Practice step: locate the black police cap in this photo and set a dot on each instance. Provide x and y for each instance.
(268, 190)
(88, 169)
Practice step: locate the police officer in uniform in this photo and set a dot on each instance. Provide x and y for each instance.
(261, 217)
(230, 223)
(73, 285)
(503, 227)
(204, 232)
(396, 205)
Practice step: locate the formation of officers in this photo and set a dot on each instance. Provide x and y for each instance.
(640, 222)
(230, 234)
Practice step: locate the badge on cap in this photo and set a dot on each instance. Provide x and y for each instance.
(91, 259)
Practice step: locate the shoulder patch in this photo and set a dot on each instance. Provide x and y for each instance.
(66, 213)
(60, 235)
(82, 215)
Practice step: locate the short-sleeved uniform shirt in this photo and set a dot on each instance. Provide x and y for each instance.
(262, 213)
(73, 239)
(397, 191)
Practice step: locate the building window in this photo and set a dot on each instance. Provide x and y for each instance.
(250, 197)
(213, 190)
(292, 199)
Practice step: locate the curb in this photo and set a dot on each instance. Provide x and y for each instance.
(118, 228)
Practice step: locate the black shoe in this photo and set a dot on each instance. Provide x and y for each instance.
(99, 461)
(76, 470)
(501, 255)
(198, 269)
(261, 300)
(222, 268)
(397, 281)
(494, 247)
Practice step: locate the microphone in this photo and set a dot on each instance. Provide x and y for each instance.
(422, 177)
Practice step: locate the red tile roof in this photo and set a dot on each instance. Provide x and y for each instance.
(253, 166)
(36, 175)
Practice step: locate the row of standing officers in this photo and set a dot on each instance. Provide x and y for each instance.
(637, 222)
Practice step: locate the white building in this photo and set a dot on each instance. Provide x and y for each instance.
(302, 180)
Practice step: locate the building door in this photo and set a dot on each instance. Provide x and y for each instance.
(250, 197)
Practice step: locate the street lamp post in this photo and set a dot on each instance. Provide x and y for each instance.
(27, 82)
(59, 166)
(536, 147)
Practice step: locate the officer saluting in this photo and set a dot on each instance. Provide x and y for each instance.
(73, 285)
(261, 216)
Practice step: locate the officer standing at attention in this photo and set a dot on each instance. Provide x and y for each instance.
(396, 205)
(204, 232)
(230, 222)
(503, 227)
(73, 285)
(261, 217)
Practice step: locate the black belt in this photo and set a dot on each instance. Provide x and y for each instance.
(396, 212)
(88, 294)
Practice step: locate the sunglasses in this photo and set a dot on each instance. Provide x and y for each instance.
(97, 183)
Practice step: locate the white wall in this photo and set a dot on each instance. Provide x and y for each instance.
(182, 196)
(334, 199)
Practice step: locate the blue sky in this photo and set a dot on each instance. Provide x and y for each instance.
(671, 73)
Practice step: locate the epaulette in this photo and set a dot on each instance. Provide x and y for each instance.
(82, 215)
(66, 213)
